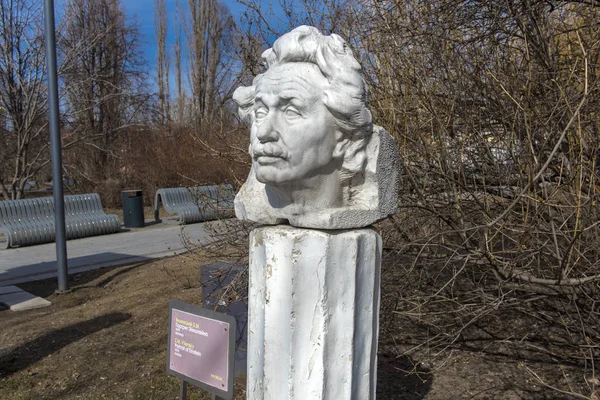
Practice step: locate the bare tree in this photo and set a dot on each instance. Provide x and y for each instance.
(209, 26)
(162, 59)
(179, 22)
(196, 39)
(23, 96)
(104, 79)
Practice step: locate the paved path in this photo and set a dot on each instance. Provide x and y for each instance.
(39, 262)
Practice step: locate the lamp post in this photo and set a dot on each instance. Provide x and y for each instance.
(55, 144)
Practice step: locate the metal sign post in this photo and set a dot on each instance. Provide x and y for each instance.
(55, 144)
(182, 390)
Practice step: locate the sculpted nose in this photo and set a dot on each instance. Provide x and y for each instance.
(266, 131)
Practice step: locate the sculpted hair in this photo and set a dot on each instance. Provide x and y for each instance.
(345, 96)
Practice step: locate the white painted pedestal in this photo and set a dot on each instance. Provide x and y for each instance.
(313, 314)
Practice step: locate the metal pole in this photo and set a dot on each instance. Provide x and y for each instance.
(183, 390)
(55, 144)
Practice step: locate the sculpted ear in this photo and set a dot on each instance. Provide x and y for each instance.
(341, 145)
(244, 98)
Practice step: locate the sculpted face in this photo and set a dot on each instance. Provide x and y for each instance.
(293, 136)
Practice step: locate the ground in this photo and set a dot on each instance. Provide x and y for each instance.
(106, 339)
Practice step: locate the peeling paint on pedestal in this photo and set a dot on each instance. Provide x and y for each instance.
(313, 314)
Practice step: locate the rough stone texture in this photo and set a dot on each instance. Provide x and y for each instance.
(313, 314)
(317, 159)
(19, 300)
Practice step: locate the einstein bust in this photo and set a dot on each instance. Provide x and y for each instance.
(317, 159)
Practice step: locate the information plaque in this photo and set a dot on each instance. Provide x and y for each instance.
(201, 347)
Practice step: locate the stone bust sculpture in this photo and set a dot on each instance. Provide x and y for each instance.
(317, 159)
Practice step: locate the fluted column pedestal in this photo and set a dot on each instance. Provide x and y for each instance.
(313, 314)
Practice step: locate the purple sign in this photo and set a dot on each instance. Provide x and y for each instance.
(200, 347)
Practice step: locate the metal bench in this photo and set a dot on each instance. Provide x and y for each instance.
(195, 204)
(31, 221)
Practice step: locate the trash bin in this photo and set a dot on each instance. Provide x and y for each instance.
(133, 208)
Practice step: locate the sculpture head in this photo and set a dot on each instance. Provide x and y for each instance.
(317, 159)
(307, 112)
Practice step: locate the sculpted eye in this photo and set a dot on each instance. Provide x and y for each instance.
(291, 112)
(260, 113)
